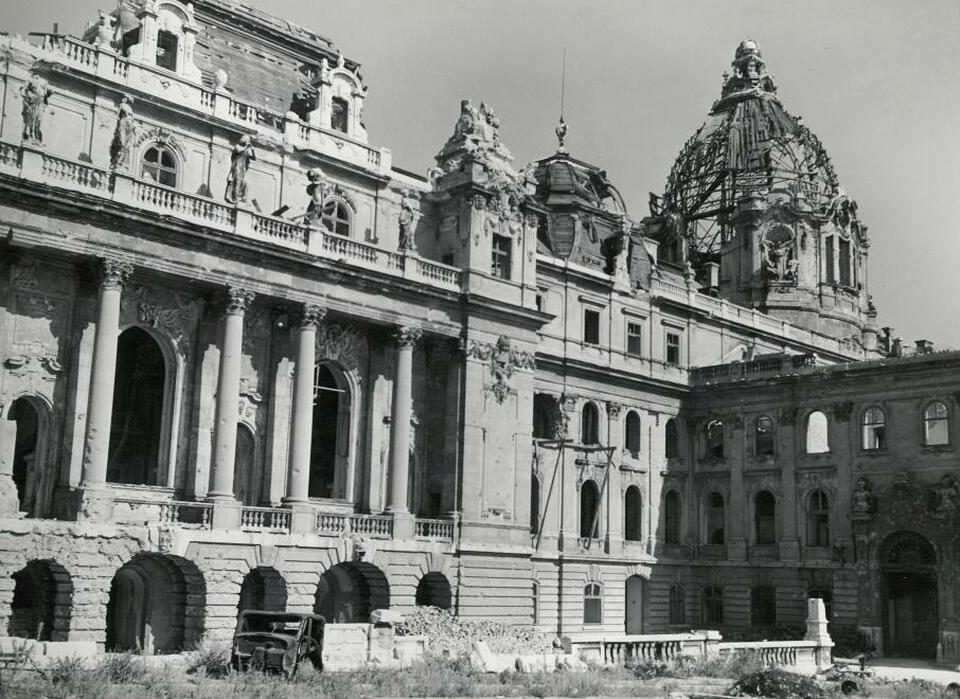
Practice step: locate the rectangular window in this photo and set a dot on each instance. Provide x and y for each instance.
(845, 262)
(338, 114)
(500, 262)
(828, 260)
(677, 611)
(763, 606)
(166, 50)
(673, 348)
(634, 339)
(592, 604)
(591, 326)
(712, 606)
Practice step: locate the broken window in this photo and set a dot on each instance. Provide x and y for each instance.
(712, 605)
(713, 435)
(589, 504)
(336, 217)
(818, 519)
(673, 349)
(764, 437)
(634, 339)
(671, 518)
(338, 114)
(167, 50)
(874, 430)
(590, 425)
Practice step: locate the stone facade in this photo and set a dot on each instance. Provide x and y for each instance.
(246, 362)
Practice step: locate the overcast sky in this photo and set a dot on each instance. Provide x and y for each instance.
(878, 81)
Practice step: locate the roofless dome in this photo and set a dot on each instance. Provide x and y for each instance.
(749, 144)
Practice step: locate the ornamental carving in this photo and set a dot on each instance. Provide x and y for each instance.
(25, 275)
(173, 313)
(407, 222)
(341, 344)
(406, 338)
(614, 409)
(778, 250)
(504, 361)
(238, 300)
(863, 502)
(310, 316)
(114, 273)
(568, 402)
(43, 363)
(944, 498)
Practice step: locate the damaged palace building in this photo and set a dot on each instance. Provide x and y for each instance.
(246, 362)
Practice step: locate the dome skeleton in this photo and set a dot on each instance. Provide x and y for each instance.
(748, 144)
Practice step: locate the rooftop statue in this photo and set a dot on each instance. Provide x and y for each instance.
(123, 136)
(35, 96)
(239, 163)
(477, 132)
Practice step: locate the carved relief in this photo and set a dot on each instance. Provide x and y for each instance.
(174, 313)
(504, 361)
(342, 344)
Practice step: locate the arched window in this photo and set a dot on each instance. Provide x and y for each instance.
(671, 439)
(763, 606)
(936, 424)
(818, 519)
(534, 503)
(136, 422)
(713, 439)
(874, 429)
(712, 606)
(678, 613)
(671, 518)
(28, 453)
(633, 432)
(160, 165)
(330, 438)
(589, 508)
(592, 604)
(763, 436)
(716, 519)
(633, 514)
(765, 518)
(817, 433)
(590, 424)
(337, 217)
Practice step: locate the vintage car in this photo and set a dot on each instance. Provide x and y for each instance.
(276, 641)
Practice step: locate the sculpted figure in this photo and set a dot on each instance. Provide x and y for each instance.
(948, 492)
(239, 163)
(778, 259)
(123, 136)
(35, 96)
(469, 117)
(863, 501)
(105, 32)
(317, 191)
(407, 216)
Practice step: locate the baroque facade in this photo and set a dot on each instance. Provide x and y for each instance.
(247, 362)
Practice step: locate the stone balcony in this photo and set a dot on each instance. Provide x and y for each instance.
(35, 165)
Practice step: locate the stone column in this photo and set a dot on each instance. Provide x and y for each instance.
(405, 339)
(298, 475)
(96, 501)
(228, 405)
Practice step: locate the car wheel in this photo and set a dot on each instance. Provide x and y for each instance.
(849, 687)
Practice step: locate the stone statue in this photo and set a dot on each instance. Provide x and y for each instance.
(36, 93)
(469, 118)
(123, 136)
(778, 259)
(948, 494)
(407, 217)
(561, 132)
(239, 163)
(105, 32)
(864, 503)
(317, 190)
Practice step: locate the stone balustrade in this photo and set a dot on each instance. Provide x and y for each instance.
(36, 165)
(274, 519)
(434, 529)
(192, 515)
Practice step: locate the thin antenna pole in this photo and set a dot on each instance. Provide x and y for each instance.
(563, 80)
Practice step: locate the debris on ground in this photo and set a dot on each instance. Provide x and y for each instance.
(777, 684)
(451, 636)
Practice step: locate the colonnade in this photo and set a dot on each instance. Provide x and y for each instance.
(95, 498)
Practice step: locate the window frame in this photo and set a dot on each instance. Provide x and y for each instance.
(669, 332)
(818, 519)
(332, 220)
(633, 439)
(710, 513)
(340, 101)
(590, 431)
(175, 54)
(671, 447)
(711, 449)
(926, 420)
(806, 432)
(760, 518)
(593, 593)
(593, 529)
(158, 167)
(873, 433)
(594, 314)
(672, 518)
(633, 526)
(501, 257)
(634, 336)
(770, 433)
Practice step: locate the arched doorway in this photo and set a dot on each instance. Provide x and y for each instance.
(42, 601)
(27, 453)
(589, 507)
(348, 592)
(330, 442)
(156, 605)
(265, 589)
(908, 564)
(633, 622)
(245, 484)
(137, 419)
(434, 591)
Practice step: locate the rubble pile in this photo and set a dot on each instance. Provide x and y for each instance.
(448, 635)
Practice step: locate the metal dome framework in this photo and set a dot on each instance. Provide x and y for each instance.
(749, 144)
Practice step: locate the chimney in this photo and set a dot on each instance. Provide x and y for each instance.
(924, 346)
(896, 350)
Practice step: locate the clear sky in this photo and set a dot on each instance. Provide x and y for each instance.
(878, 81)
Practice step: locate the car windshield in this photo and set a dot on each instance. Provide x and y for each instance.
(271, 623)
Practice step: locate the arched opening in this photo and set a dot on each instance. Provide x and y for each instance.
(138, 397)
(348, 592)
(263, 589)
(765, 518)
(817, 435)
(434, 591)
(589, 508)
(633, 431)
(936, 424)
(633, 620)
(330, 441)
(160, 166)
(42, 602)
(713, 439)
(671, 518)
(156, 605)
(874, 436)
(716, 520)
(671, 439)
(590, 424)
(336, 217)
(633, 514)
(27, 453)
(908, 564)
(534, 503)
(245, 486)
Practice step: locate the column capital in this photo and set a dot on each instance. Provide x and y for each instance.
(310, 316)
(114, 273)
(238, 300)
(405, 338)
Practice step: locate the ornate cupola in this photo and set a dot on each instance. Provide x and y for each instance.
(754, 190)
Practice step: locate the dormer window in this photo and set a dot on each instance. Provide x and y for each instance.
(167, 50)
(339, 110)
(160, 165)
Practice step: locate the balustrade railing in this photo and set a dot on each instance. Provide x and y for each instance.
(9, 154)
(332, 523)
(166, 200)
(375, 526)
(280, 230)
(72, 49)
(617, 652)
(195, 515)
(434, 529)
(77, 174)
(442, 275)
(265, 518)
(339, 246)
